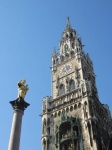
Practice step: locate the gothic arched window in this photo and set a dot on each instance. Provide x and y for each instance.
(62, 89)
(48, 121)
(90, 134)
(66, 48)
(44, 122)
(71, 85)
(44, 126)
(66, 35)
(44, 144)
(71, 35)
(73, 45)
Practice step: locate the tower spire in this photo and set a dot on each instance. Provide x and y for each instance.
(68, 25)
(54, 51)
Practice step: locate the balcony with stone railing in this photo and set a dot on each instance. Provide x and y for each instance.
(70, 97)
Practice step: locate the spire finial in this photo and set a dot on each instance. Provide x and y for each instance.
(54, 50)
(68, 25)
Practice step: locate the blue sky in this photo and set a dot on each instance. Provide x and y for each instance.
(29, 31)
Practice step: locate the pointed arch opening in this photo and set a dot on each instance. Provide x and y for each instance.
(44, 126)
(71, 85)
(59, 113)
(65, 130)
(73, 45)
(62, 90)
(44, 144)
(71, 35)
(66, 35)
(69, 135)
(90, 134)
(66, 50)
(61, 58)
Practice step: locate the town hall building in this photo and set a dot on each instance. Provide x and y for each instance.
(73, 118)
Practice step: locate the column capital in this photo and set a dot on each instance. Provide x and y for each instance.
(19, 103)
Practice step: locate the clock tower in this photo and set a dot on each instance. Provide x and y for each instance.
(73, 118)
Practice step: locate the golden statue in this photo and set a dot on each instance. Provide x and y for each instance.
(22, 89)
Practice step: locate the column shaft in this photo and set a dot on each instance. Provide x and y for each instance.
(14, 141)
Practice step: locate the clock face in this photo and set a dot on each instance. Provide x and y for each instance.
(66, 68)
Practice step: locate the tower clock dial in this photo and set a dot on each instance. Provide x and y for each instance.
(66, 68)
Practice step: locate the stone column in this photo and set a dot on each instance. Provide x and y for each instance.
(19, 106)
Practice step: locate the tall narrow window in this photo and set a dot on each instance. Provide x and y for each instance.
(71, 35)
(72, 85)
(48, 144)
(90, 134)
(54, 62)
(73, 45)
(66, 49)
(66, 35)
(48, 131)
(44, 126)
(62, 89)
(44, 143)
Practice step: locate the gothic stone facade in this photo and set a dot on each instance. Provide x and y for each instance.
(74, 118)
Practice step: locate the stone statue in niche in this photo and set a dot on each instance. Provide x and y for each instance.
(22, 89)
(83, 90)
